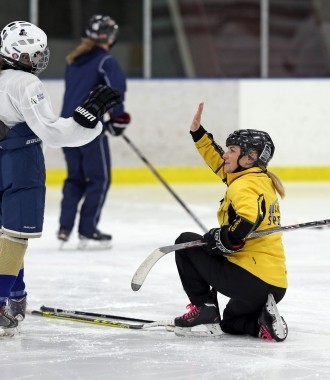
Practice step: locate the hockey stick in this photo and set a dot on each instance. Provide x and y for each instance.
(143, 270)
(161, 179)
(101, 321)
(94, 315)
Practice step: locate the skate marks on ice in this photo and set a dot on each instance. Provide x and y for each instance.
(58, 349)
(100, 281)
(84, 245)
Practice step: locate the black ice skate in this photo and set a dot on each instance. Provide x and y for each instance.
(8, 324)
(272, 325)
(63, 235)
(17, 308)
(98, 240)
(204, 319)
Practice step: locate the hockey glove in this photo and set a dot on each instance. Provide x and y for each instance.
(218, 242)
(117, 125)
(96, 105)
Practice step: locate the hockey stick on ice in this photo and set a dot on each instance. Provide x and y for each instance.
(94, 315)
(143, 270)
(161, 179)
(101, 321)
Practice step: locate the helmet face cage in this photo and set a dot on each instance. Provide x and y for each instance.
(24, 45)
(252, 139)
(102, 29)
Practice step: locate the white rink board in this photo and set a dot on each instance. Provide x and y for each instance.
(296, 113)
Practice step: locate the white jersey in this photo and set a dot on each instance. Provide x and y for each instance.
(23, 98)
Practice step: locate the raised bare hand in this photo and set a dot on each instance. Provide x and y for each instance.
(196, 122)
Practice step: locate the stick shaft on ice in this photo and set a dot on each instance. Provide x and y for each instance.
(91, 314)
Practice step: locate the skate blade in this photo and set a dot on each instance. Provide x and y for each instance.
(209, 331)
(9, 332)
(279, 325)
(92, 245)
(62, 245)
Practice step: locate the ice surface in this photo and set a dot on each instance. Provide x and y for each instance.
(141, 219)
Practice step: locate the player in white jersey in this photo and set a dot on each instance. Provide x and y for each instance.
(27, 121)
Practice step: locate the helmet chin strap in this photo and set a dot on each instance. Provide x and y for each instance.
(240, 167)
(16, 64)
(111, 43)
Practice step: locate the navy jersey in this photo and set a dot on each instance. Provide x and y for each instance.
(87, 71)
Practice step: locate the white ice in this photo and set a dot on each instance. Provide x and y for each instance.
(142, 218)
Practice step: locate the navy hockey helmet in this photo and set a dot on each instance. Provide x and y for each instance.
(253, 139)
(102, 29)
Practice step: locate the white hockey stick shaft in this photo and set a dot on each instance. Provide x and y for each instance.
(145, 267)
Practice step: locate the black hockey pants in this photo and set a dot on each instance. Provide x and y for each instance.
(248, 294)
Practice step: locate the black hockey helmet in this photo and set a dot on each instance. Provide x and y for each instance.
(102, 29)
(253, 139)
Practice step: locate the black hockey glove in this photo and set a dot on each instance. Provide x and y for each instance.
(96, 105)
(117, 125)
(218, 242)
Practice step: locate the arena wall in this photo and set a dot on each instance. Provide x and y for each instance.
(295, 113)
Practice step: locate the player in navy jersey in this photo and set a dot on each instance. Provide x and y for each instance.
(26, 122)
(89, 167)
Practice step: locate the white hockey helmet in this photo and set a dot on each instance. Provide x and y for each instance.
(24, 46)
